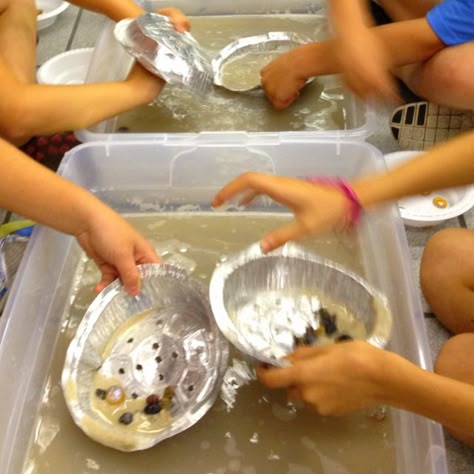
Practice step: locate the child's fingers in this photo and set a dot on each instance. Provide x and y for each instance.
(108, 275)
(179, 19)
(248, 197)
(126, 267)
(281, 236)
(147, 254)
(129, 275)
(307, 352)
(281, 103)
(259, 183)
(242, 183)
(277, 377)
(100, 286)
(294, 394)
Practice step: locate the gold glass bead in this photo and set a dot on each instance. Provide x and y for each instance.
(440, 202)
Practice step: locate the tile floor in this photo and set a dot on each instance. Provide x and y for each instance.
(77, 28)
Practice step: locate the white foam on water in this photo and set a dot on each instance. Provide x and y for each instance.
(237, 375)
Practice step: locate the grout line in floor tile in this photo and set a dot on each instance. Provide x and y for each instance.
(74, 30)
(462, 221)
(7, 217)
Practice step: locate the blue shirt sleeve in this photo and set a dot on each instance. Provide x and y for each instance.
(453, 21)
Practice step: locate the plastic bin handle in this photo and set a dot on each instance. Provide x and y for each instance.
(14, 226)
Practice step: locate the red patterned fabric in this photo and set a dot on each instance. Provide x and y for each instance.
(50, 149)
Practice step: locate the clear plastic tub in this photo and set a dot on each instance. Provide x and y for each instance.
(144, 177)
(111, 62)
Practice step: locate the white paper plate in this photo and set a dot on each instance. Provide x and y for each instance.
(66, 68)
(51, 10)
(419, 211)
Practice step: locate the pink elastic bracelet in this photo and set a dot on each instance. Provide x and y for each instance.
(355, 205)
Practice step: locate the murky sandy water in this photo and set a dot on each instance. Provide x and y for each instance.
(320, 107)
(260, 433)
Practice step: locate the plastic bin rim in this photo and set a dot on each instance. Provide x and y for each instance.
(359, 134)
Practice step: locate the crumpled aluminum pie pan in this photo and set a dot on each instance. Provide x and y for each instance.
(165, 338)
(273, 43)
(175, 57)
(264, 303)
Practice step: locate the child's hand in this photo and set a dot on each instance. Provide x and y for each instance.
(177, 17)
(147, 85)
(282, 80)
(316, 208)
(116, 248)
(335, 379)
(363, 62)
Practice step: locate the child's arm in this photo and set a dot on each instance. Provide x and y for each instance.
(34, 191)
(404, 42)
(362, 58)
(29, 109)
(446, 165)
(319, 208)
(32, 109)
(114, 9)
(340, 378)
(119, 9)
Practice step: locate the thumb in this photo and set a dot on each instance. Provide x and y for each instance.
(129, 275)
(281, 236)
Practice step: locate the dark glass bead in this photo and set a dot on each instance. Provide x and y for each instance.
(328, 320)
(152, 399)
(309, 336)
(152, 409)
(99, 393)
(126, 418)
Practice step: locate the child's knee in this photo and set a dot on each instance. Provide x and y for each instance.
(453, 68)
(455, 359)
(438, 255)
(30, 3)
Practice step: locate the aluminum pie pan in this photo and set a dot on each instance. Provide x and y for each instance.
(175, 57)
(296, 280)
(272, 43)
(165, 337)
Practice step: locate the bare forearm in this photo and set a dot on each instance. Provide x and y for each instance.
(447, 165)
(114, 9)
(405, 42)
(33, 191)
(348, 17)
(433, 396)
(45, 109)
